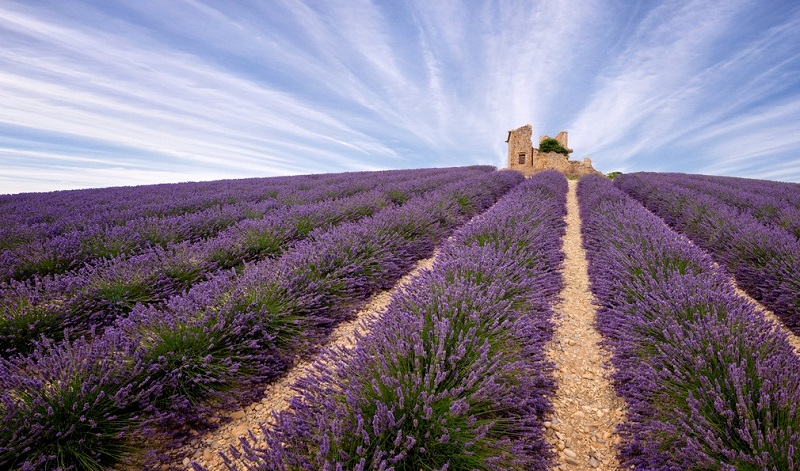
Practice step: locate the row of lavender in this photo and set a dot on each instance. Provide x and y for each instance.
(81, 402)
(99, 293)
(764, 259)
(709, 383)
(88, 233)
(772, 203)
(454, 374)
(127, 220)
(42, 215)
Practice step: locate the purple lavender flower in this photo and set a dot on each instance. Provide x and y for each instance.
(709, 383)
(454, 374)
(762, 256)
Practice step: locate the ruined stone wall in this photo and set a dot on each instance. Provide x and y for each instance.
(562, 138)
(519, 145)
(560, 162)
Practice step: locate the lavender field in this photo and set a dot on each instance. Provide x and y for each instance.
(128, 316)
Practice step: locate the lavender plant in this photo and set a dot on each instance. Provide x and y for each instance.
(84, 225)
(106, 290)
(772, 203)
(709, 383)
(254, 240)
(71, 406)
(162, 366)
(26, 315)
(274, 309)
(453, 375)
(765, 260)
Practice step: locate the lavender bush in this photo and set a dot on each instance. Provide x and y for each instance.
(230, 331)
(39, 216)
(709, 383)
(38, 240)
(765, 260)
(772, 203)
(274, 309)
(72, 407)
(105, 290)
(454, 374)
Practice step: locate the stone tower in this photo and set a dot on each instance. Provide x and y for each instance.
(520, 150)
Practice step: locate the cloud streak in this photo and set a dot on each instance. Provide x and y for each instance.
(98, 94)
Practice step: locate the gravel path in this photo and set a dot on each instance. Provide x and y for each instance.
(586, 409)
(204, 449)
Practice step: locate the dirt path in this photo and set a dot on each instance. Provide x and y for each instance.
(586, 407)
(205, 449)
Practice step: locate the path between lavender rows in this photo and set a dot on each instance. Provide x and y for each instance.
(586, 409)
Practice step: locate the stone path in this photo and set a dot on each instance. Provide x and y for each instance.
(204, 449)
(586, 409)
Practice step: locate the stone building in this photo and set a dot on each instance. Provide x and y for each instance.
(522, 156)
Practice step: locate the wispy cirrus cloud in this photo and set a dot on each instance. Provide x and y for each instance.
(98, 94)
(680, 80)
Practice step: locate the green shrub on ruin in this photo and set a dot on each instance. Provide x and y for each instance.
(552, 145)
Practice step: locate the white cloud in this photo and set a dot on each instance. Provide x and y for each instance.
(246, 88)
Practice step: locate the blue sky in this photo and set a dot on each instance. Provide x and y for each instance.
(107, 93)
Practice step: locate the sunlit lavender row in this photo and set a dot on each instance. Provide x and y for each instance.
(63, 236)
(454, 375)
(93, 297)
(83, 402)
(763, 258)
(709, 383)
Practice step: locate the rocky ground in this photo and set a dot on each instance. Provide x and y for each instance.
(586, 407)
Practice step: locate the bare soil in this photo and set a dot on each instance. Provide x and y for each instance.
(586, 409)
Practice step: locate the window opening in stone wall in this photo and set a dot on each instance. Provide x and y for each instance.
(522, 158)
